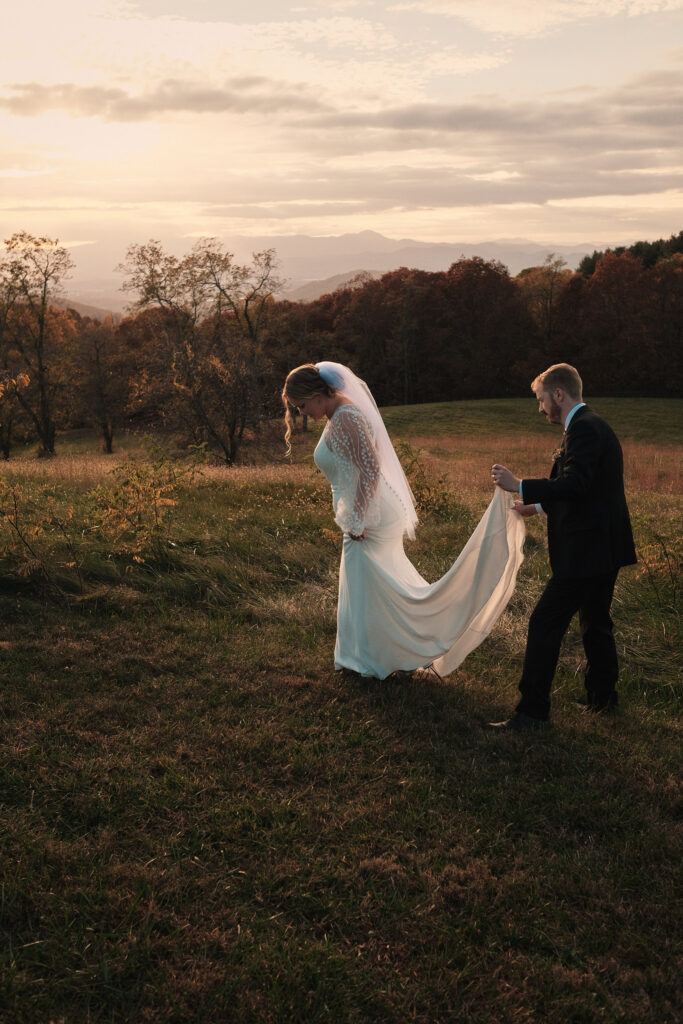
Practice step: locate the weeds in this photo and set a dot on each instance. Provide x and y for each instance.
(25, 530)
(660, 567)
(433, 496)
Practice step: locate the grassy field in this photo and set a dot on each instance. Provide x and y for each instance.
(202, 822)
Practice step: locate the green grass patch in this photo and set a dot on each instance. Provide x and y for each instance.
(655, 420)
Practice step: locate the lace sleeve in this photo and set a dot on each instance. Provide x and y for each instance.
(350, 438)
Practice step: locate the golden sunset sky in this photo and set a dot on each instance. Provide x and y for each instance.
(559, 121)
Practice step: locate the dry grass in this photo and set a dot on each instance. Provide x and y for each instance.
(467, 461)
(260, 476)
(88, 470)
(79, 470)
(309, 605)
(202, 822)
(649, 468)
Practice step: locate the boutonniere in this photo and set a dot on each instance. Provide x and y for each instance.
(557, 453)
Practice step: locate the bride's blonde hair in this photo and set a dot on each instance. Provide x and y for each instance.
(301, 383)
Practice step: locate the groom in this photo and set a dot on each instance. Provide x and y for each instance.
(589, 539)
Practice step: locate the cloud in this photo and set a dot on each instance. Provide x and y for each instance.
(316, 119)
(643, 114)
(388, 188)
(244, 95)
(337, 162)
(529, 17)
(114, 45)
(20, 172)
(332, 33)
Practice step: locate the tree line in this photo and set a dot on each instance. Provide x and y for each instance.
(206, 344)
(648, 253)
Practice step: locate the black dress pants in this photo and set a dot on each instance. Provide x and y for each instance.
(561, 599)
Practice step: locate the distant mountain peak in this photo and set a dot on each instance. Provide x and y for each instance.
(306, 259)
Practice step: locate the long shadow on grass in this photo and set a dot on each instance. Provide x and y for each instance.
(556, 850)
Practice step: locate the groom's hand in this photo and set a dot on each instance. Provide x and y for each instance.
(504, 478)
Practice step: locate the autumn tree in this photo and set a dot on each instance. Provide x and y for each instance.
(36, 331)
(541, 288)
(488, 330)
(146, 363)
(288, 342)
(101, 375)
(615, 326)
(10, 386)
(418, 336)
(360, 331)
(214, 314)
(403, 334)
(666, 287)
(10, 380)
(649, 253)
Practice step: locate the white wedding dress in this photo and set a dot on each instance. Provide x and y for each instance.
(388, 617)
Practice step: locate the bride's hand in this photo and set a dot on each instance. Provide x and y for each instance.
(359, 536)
(524, 510)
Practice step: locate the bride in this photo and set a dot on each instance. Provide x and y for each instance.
(388, 617)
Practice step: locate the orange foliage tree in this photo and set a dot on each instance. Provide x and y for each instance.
(213, 317)
(101, 377)
(36, 333)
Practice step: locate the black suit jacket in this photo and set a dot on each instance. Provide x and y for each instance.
(589, 529)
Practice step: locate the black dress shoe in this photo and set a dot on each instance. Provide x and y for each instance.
(519, 723)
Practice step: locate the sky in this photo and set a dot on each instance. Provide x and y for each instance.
(559, 121)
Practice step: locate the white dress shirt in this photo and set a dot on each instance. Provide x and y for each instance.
(570, 414)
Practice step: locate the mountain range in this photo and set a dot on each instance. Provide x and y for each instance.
(314, 265)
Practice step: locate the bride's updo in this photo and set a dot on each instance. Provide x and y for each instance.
(303, 382)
